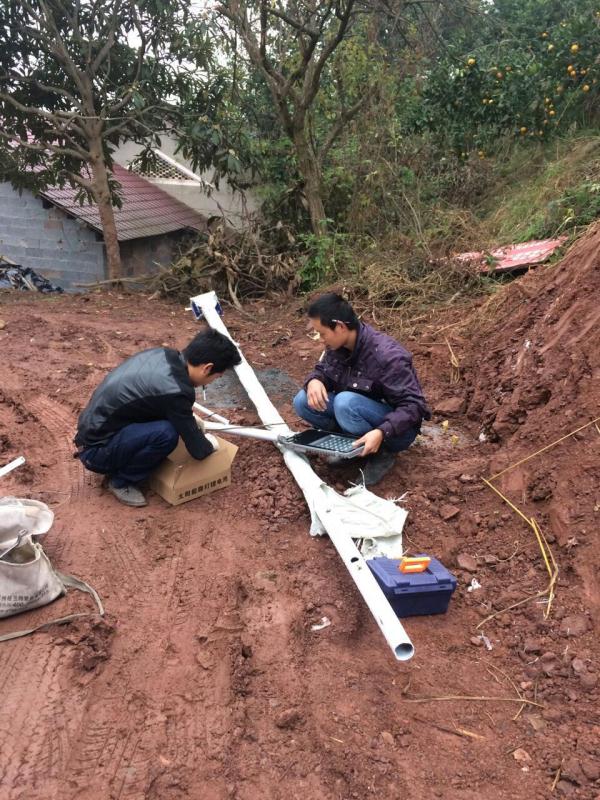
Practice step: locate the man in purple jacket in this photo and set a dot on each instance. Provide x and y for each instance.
(365, 385)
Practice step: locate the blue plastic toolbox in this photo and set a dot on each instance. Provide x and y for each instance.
(427, 592)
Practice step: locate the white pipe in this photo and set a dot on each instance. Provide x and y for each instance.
(11, 465)
(212, 414)
(251, 433)
(318, 503)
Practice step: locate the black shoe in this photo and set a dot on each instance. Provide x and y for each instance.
(376, 467)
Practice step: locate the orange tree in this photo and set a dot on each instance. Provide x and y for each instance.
(528, 68)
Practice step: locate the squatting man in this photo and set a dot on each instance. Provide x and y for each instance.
(364, 385)
(137, 414)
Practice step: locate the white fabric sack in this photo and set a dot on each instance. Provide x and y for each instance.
(21, 515)
(364, 514)
(27, 579)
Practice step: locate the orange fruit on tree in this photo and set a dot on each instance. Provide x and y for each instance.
(575, 48)
(585, 87)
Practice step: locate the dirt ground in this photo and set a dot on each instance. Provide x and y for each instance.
(205, 680)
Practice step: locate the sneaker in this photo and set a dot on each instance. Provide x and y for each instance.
(129, 495)
(376, 467)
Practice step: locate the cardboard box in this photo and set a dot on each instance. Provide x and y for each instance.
(181, 478)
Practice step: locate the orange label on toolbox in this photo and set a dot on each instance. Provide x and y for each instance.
(416, 564)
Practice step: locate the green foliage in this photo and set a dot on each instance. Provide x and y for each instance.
(79, 78)
(544, 193)
(324, 258)
(528, 69)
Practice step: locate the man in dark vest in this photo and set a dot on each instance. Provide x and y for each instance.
(137, 414)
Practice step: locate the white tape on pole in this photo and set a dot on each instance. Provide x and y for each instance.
(320, 505)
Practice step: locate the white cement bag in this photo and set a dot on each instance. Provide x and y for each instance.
(19, 514)
(27, 578)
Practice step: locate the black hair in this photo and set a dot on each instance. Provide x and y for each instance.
(211, 347)
(330, 309)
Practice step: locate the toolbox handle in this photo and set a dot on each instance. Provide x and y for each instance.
(414, 564)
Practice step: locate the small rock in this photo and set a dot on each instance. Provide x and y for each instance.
(571, 770)
(476, 640)
(522, 756)
(532, 646)
(537, 723)
(565, 787)
(578, 666)
(590, 768)
(2, 324)
(387, 738)
(490, 560)
(552, 714)
(574, 625)
(450, 405)
(548, 658)
(467, 562)
(448, 511)
(588, 681)
(288, 719)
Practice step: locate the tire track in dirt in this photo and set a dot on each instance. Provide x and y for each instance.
(60, 424)
(36, 687)
(137, 737)
(265, 662)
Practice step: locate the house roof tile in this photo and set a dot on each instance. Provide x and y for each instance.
(146, 209)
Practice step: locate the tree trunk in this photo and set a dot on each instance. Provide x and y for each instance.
(310, 172)
(106, 210)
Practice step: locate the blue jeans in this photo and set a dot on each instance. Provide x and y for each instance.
(133, 452)
(352, 413)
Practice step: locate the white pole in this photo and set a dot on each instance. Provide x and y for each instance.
(11, 465)
(318, 503)
(251, 433)
(211, 414)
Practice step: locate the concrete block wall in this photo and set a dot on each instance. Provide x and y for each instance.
(62, 249)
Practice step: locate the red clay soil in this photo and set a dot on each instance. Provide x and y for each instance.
(205, 680)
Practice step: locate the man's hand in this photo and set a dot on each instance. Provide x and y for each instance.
(317, 396)
(371, 441)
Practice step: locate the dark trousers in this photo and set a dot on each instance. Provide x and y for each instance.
(132, 453)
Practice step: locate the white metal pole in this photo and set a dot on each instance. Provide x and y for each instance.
(250, 433)
(11, 465)
(317, 500)
(211, 414)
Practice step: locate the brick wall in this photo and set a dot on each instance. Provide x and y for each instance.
(145, 256)
(63, 250)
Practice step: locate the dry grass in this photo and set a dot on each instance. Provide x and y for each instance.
(236, 265)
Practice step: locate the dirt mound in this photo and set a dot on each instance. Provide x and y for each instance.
(536, 364)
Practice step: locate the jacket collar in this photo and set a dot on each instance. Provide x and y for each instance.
(350, 356)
